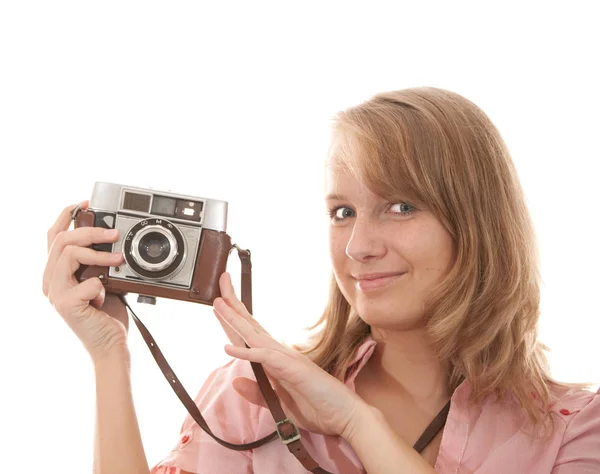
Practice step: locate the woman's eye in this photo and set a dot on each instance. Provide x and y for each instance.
(402, 208)
(340, 213)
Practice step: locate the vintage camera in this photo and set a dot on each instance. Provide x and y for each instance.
(175, 246)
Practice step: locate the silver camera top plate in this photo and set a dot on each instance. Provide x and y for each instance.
(146, 202)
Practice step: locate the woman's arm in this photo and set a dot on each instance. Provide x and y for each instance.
(379, 448)
(118, 443)
(99, 320)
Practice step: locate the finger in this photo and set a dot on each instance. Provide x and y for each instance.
(81, 237)
(249, 390)
(228, 294)
(232, 330)
(271, 358)
(77, 299)
(98, 301)
(63, 222)
(233, 336)
(70, 260)
(88, 290)
(251, 335)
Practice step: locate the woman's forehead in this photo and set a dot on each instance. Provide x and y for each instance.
(341, 184)
(344, 183)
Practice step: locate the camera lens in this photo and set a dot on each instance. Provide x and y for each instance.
(154, 250)
(154, 247)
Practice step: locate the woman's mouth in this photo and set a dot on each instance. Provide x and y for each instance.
(375, 281)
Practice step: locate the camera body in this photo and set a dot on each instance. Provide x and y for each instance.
(175, 246)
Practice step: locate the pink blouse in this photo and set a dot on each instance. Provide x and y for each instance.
(485, 439)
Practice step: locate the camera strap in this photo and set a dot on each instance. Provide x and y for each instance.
(286, 429)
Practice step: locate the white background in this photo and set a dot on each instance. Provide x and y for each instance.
(233, 101)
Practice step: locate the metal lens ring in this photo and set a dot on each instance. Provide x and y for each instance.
(154, 248)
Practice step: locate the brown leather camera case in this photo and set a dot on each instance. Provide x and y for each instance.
(211, 262)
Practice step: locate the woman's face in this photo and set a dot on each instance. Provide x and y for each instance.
(386, 256)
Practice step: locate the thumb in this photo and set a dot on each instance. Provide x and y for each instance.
(248, 389)
(98, 301)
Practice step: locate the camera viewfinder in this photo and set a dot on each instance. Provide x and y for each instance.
(188, 210)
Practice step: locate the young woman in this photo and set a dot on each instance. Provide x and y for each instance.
(434, 300)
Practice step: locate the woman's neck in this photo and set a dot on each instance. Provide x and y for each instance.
(403, 362)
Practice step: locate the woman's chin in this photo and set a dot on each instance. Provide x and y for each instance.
(390, 319)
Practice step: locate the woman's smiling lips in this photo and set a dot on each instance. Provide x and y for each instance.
(373, 281)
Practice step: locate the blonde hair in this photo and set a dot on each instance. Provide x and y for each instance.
(432, 147)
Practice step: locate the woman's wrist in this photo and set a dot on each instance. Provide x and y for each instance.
(378, 447)
(364, 415)
(116, 357)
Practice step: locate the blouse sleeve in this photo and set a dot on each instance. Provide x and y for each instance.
(580, 450)
(229, 416)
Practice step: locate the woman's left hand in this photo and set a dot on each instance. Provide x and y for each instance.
(314, 399)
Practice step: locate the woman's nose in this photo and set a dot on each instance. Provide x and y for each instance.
(366, 242)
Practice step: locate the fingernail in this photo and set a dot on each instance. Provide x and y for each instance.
(111, 232)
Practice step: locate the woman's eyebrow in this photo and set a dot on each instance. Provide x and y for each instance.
(335, 197)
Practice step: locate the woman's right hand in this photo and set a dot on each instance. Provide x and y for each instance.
(99, 320)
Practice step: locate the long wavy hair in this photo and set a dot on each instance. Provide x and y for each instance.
(436, 148)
